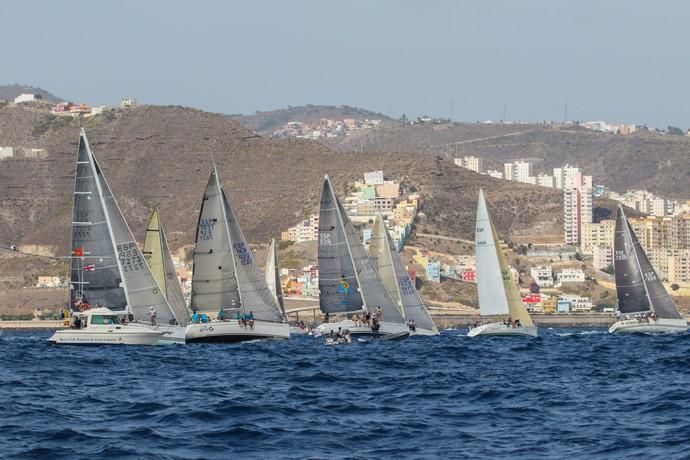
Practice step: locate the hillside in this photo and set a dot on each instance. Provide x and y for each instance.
(161, 156)
(659, 163)
(9, 92)
(267, 122)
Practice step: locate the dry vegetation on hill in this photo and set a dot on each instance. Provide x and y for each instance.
(161, 156)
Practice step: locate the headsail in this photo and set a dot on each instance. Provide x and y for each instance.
(140, 288)
(396, 279)
(225, 272)
(349, 254)
(498, 294)
(637, 284)
(273, 277)
(157, 255)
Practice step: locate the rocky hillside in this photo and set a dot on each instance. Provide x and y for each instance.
(161, 156)
(659, 163)
(267, 122)
(9, 92)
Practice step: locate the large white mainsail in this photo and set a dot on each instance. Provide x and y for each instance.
(396, 279)
(348, 280)
(273, 276)
(498, 294)
(108, 249)
(225, 272)
(157, 255)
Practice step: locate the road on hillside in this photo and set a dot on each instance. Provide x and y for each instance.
(480, 139)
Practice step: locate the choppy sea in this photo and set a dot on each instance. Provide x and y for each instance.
(571, 393)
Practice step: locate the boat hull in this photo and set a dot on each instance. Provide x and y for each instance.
(172, 334)
(360, 329)
(298, 331)
(658, 326)
(232, 332)
(123, 336)
(500, 329)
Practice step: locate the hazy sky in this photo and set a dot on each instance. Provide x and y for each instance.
(620, 61)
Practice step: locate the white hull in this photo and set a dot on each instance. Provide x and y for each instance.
(658, 326)
(231, 331)
(298, 331)
(123, 335)
(172, 334)
(502, 330)
(360, 329)
(419, 331)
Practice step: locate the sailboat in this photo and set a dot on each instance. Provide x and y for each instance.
(499, 295)
(397, 281)
(157, 255)
(348, 280)
(642, 299)
(226, 277)
(107, 268)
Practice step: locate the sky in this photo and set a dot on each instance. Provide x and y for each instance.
(615, 60)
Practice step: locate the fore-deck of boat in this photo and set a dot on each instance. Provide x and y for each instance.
(499, 296)
(107, 268)
(644, 304)
(348, 279)
(101, 326)
(225, 276)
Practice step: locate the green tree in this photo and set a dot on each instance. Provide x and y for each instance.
(675, 286)
(675, 131)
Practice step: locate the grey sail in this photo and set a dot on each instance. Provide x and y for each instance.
(141, 289)
(630, 289)
(397, 280)
(374, 293)
(214, 285)
(273, 277)
(636, 270)
(348, 280)
(338, 285)
(95, 273)
(255, 294)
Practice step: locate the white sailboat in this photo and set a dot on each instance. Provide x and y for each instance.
(107, 267)
(499, 296)
(157, 255)
(226, 277)
(643, 302)
(348, 280)
(397, 281)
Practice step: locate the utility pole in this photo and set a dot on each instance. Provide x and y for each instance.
(565, 111)
(505, 110)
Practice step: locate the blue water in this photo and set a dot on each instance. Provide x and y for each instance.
(572, 393)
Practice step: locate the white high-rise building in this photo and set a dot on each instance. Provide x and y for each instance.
(545, 181)
(560, 175)
(519, 171)
(475, 164)
(577, 206)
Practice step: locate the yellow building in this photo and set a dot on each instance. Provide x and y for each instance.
(597, 234)
(548, 304)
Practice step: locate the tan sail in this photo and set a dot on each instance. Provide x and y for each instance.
(153, 252)
(515, 306)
